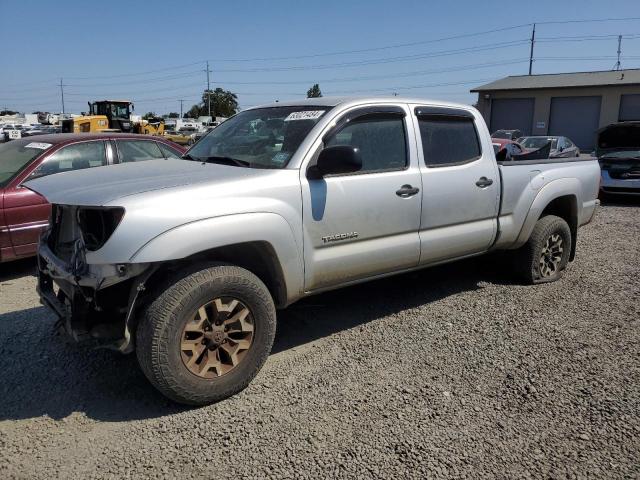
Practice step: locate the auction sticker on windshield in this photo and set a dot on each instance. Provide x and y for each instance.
(15, 134)
(304, 115)
(41, 146)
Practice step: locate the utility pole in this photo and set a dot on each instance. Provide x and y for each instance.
(533, 39)
(181, 102)
(62, 93)
(208, 88)
(617, 66)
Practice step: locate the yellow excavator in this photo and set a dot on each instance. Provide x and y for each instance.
(112, 116)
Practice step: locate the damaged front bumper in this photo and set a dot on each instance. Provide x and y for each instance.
(91, 301)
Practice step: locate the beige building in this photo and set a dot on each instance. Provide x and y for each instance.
(575, 105)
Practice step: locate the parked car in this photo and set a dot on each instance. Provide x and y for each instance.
(197, 136)
(618, 151)
(14, 132)
(189, 260)
(561, 147)
(24, 213)
(507, 134)
(39, 130)
(184, 136)
(511, 146)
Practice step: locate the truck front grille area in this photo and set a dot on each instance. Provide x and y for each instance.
(62, 234)
(92, 225)
(631, 174)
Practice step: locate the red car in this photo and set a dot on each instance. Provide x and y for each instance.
(24, 213)
(513, 148)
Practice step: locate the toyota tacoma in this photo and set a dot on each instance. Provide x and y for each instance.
(186, 261)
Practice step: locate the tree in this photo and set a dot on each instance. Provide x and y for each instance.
(7, 112)
(173, 115)
(223, 104)
(149, 116)
(314, 92)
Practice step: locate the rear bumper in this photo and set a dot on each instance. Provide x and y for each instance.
(619, 186)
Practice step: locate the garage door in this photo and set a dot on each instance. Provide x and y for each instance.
(576, 118)
(512, 114)
(629, 107)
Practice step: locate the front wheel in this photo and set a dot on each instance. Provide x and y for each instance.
(546, 254)
(207, 335)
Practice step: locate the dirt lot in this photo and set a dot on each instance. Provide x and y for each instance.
(449, 372)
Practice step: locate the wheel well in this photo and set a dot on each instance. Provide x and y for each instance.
(257, 257)
(565, 207)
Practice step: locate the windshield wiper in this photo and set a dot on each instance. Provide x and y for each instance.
(620, 157)
(186, 156)
(227, 161)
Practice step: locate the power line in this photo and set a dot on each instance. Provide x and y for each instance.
(592, 20)
(419, 56)
(375, 49)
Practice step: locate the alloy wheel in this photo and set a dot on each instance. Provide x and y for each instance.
(551, 256)
(217, 338)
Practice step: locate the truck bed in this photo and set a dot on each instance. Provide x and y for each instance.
(526, 184)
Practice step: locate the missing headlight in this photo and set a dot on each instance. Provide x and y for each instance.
(98, 224)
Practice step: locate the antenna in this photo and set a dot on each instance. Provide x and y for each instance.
(62, 93)
(208, 88)
(617, 65)
(533, 40)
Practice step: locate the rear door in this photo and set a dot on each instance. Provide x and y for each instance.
(461, 184)
(366, 223)
(26, 212)
(133, 150)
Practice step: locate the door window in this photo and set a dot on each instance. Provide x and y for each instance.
(73, 157)
(381, 141)
(448, 140)
(138, 150)
(168, 152)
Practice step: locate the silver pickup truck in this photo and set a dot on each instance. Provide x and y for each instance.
(186, 261)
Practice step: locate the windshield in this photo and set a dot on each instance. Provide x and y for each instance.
(17, 155)
(501, 134)
(260, 138)
(622, 154)
(538, 142)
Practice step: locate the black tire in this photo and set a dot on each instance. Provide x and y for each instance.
(160, 331)
(528, 257)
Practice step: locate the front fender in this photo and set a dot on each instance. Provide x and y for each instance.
(556, 188)
(195, 237)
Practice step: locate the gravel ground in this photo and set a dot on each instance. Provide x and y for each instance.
(449, 372)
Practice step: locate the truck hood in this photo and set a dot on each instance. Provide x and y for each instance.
(618, 137)
(102, 185)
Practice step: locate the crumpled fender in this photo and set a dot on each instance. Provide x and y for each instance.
(195, 237)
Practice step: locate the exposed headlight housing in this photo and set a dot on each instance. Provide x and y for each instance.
(98, 224)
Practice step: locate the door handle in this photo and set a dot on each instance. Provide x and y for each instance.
(407, 191)
(484, 182)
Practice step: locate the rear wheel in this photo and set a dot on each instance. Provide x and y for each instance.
(546, 253)
(207, 335)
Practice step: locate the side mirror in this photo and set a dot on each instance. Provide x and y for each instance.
(336, 160)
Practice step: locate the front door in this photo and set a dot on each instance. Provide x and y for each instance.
(364, 224)
(461, 184)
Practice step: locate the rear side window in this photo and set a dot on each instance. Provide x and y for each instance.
(73, 157)
(381, 142)
(168, 152)
(138, 150)
(448, 140)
